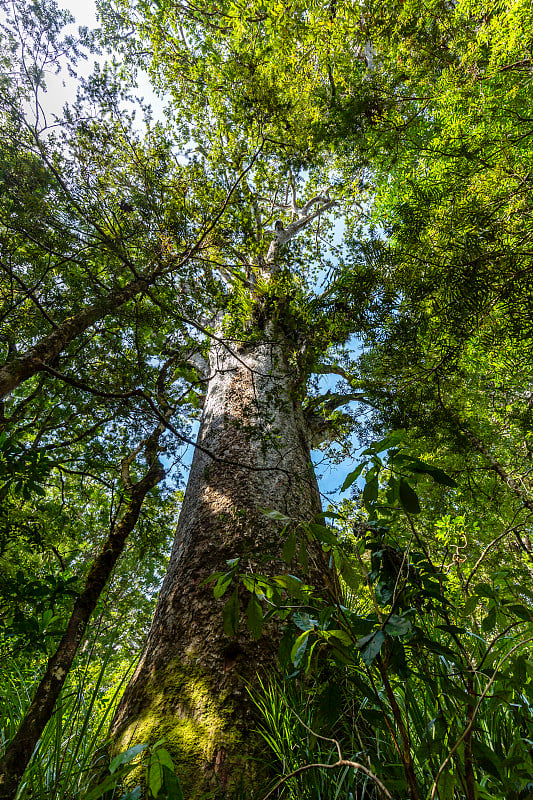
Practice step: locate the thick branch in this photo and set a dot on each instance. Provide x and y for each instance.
(326, 403)
(22, 366)
(281, 237)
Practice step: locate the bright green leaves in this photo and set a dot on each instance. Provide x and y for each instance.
(158, 774)
(299, 647)
(126, 756)
(390, 478)
(162, 782)
(392, 439)
(370, 646)
(254, 616)
(230, 614)
(23, 471)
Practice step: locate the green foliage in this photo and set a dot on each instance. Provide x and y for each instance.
(70, 759)
(423, 662)
(428, 665)
(65, 762)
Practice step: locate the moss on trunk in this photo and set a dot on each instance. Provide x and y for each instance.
(190, 686)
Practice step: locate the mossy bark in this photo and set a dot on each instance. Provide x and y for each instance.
(190, 685)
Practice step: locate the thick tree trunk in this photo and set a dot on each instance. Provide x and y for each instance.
(189, 687)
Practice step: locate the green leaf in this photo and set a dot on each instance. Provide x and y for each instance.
(446, 786)
(352, 476)
(171, 785)
(304, 621)
(126, 756)
(436, 647)
(408, 498)
(438, 475)
(451, 629)
(398, 626)
(484, 590)
(271, 513)
(299, 647)
(370, 492)
(520, 611)
(341, 635)
(291, 583)
(135, 794)
(155, 777)
(107, 785)
(289, 548)
(164, 758)
(349, 575)
(230, 615)
(489, 622)
(254, 617)
(392, 439)
(323, 533)
(370, 646)
(213, 577)
(470, 605)
(221, 586)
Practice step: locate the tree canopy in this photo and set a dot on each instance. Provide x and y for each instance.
(358, 176)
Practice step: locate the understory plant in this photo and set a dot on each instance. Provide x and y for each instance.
(415, 680)
(72, 761)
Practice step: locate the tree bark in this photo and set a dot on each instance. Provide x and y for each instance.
(190, 685)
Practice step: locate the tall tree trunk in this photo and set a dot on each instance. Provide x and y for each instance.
(190, 685)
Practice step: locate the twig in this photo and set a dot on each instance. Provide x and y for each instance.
(473, 718)
(342, 762)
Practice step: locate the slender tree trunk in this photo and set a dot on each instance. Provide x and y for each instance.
(190, 685)
(20, 749)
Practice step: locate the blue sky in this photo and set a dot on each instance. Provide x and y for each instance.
(61, 89)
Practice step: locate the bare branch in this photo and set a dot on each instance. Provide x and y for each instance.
(284, 235)
(342, 762)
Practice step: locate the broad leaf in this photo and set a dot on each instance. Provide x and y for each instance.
(370, 646)
(391, 440)
(126, 756)
(299, 647)
(352, 476)
(398, 626)
(230, 615)
(289, 548)
(408, 498)
(370, 492)
(304, 621)
(254, 617)
(271, 513)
